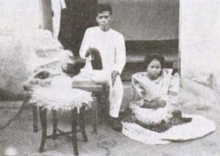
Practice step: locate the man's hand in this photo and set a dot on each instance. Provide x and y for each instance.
(91, 51)
(88, 52)
(114, 76)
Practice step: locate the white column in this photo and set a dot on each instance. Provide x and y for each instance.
(57, 6)
(199, 40)
(199, 37)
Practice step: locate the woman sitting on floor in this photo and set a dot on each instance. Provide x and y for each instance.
(154, 100)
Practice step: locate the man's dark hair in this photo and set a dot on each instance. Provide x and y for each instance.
(104, 7)
(151, 57)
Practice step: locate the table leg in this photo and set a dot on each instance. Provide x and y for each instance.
(43, 119)
(74, 131)
(94, 113)
(105, 103)
(82, 123)
(55, 121)
(35, 118)
(100, 109)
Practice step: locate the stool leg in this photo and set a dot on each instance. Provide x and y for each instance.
(94, 113)
(74, 131)
(43, 119)
(82, 123)
(55, 121)
(35, 118)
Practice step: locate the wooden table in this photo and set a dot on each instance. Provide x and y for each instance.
(100, 95)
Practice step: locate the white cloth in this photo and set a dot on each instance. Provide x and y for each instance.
(57, 6)
(199, 127)
(111, 46)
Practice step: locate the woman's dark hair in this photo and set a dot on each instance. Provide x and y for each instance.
(103, 7)
(151, 57)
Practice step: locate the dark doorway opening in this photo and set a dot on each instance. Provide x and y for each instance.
(75, 19)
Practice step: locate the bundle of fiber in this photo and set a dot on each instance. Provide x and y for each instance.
(41, 78)
(50, 52)
(197, 128)
(23, 52)
(57, 99)
(88, 75)
(152, 116)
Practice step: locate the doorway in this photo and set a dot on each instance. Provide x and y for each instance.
(75, 19)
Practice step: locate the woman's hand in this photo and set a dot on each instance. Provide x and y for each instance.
(154, 103)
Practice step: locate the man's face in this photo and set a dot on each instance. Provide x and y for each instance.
(104, 19)
(154, 69)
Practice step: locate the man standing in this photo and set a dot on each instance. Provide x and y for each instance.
(111, 46)
(57, 6)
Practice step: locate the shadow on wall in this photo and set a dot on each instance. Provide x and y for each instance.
(146, 19)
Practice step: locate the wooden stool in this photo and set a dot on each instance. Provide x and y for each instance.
(35, 118)
(58, 132)
(28, 89)
(100, 96)
(34, 112)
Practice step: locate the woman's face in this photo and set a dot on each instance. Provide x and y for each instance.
(154, 69)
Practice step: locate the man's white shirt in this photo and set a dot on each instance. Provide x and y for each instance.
(110, 44)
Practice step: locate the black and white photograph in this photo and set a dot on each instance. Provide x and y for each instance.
(109, 77)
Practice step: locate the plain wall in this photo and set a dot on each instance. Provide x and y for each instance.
(146, 19)
(19, 14)
(199, 40)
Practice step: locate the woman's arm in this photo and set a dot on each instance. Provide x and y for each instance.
(140, 90)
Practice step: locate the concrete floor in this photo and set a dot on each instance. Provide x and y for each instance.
(18, 138)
